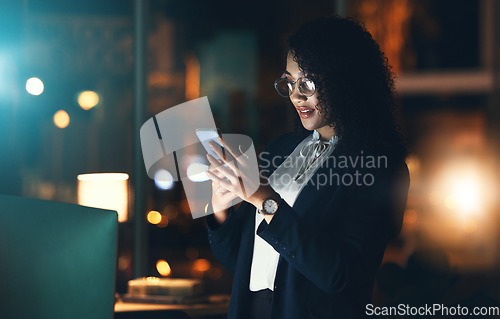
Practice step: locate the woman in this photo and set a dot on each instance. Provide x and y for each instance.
(308, 242)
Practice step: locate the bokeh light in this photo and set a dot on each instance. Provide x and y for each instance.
(163, 268)
(88, 99)
(34, 86)
(196, 172)
(105, 190)
(201, 265)
(163, 179)
(61, 119)
(124, 263)
(466, 194)
(185, 206)
(170, 211)
(154, 217)
(460, 187)
(163, 222)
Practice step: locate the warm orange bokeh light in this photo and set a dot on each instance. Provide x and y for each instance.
(388, 22)
(201, 265)
(154, 217)
(462, 186)
(88, 99)
(185, 207)
(163, 268)
(163, 222)
(192, 77)
(61, 119)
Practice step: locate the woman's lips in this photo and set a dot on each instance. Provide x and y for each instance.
(305, 112)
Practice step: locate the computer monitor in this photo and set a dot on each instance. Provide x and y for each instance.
(57, 260)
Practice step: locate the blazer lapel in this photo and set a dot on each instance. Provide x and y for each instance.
(319, 184)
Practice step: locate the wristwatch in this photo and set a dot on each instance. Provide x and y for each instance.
(270, 205)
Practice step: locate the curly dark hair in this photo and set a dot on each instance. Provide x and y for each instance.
(355, 84)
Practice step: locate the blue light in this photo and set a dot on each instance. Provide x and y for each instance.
(163, 179)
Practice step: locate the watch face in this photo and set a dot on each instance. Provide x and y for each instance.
(270, 206)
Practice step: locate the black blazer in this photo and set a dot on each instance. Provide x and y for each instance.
(331, 242)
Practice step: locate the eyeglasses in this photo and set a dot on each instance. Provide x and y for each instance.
(285, 88)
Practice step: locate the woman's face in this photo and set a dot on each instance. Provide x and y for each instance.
(305, 106)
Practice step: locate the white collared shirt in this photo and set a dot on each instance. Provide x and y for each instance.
(287, 180)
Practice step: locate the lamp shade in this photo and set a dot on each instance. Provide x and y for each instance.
(105, 190)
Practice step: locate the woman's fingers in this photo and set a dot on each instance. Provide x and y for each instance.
(221, 190)
(229, 163)
(226, 171)
(216, 185)
(232, 187)
(222, 182)
(214, 166)
(230, 177)
(227, 196)
(214, 163)
(216, 172)
(233, 153)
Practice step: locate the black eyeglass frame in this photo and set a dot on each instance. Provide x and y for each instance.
(293, 86)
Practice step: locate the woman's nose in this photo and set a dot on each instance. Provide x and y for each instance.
(297, 97)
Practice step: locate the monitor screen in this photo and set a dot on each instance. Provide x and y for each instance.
(57, 260)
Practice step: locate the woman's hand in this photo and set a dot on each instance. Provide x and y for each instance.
(229, 178)
(221, 197)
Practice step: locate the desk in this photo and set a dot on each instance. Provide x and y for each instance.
(193, 310)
